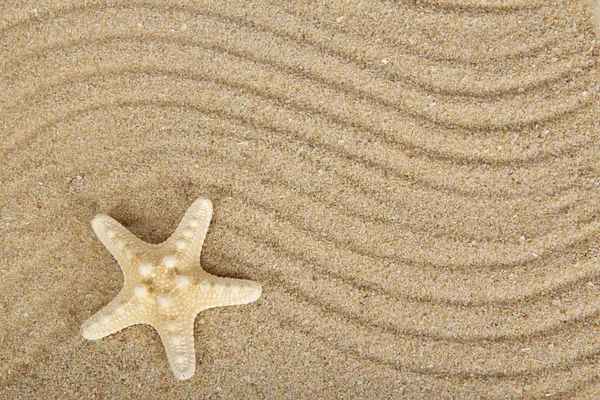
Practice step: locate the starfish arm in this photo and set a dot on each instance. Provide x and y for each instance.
(121, 243)
(177, 336)
(188, 238)
(213, 291)
(116, 315)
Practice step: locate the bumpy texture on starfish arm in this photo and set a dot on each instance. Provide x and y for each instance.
(165, 286)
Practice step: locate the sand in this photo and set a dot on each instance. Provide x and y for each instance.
(415, 184)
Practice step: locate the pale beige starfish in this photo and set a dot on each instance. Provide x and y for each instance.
(165, 286)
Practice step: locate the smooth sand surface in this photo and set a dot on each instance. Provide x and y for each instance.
(414, 183)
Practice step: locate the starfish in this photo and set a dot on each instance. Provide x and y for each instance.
(165, 286)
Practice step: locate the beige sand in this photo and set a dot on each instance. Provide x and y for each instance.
(415, 184)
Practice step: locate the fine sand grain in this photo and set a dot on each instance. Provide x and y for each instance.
(414, 183)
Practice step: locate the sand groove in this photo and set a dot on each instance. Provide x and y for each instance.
(415, 184)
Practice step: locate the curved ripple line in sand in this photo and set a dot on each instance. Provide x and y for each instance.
(258, 267)
(350, 209)
(476, 6)
(345, 302)
(482, 263)
(411, 80)
(432, 53)
(282, 24)
(335, 148)
(492, 264)
(375, 132)
(318, 238)
(409, 107)
(495, 372)
(218, 18)
(250, 201)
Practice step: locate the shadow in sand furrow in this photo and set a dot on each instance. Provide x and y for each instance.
(298, 229)
(484, 88)
(396, 36)
(405, 106)
(354, 190)
(457, 324)
(283, 22)
(410, 351)
(472, 264)
(241, 90)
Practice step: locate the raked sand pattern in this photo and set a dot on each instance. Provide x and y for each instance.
(415, 184)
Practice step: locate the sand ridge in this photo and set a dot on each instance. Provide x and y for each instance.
(414, 184)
